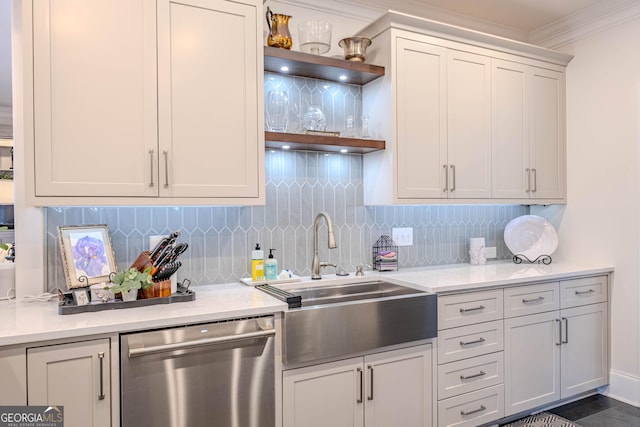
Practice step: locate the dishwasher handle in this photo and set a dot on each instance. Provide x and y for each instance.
(144, 351)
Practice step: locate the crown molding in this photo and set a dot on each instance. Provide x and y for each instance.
(590, 20)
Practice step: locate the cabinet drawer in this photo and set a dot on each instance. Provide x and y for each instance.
(470, 375)
(590, 290)
(467, 309)
(472, 409)
(531, 299)
(470, 341)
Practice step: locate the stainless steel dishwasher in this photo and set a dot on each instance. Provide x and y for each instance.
(216, 374)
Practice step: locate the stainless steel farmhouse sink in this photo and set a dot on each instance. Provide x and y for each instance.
(342, 319)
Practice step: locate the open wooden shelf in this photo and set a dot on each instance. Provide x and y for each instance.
(320, 67)
(298, 141)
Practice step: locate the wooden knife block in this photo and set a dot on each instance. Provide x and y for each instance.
(143, 262)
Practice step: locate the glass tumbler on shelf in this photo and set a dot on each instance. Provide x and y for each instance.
(314, 119)
(365, 127)
(277, 110)
(349, 130)
(314, 37)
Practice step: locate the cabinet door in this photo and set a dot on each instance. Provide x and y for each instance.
(547, 134)
(399, 388)
(532, 361)
(585, 360)
(421, 119)
(76, 376)
(510, 131)
(95, 97)
(469, 125)
(330, 394)
(13, 371)
(209, 93)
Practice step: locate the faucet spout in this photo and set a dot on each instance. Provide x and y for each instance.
(316, 264)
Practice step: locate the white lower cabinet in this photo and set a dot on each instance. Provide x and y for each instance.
(557, 354)
(75, 376)
(506, 351)
(13, 371)
(392, 388)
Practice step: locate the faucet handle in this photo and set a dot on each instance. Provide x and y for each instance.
(327, 264)
(359, 269)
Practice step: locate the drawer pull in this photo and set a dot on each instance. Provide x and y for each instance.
(475, 411)
(590, 291)
(466, 310)
(468, 377)
(478, 341)
(529, 301)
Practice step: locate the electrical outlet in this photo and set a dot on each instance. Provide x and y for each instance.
(402, 236)
(490, 252)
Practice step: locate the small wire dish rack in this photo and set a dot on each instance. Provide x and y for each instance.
(385, 254)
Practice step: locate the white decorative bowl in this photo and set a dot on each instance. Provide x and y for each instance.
(531, 236)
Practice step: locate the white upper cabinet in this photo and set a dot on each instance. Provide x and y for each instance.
(95, 97)
(528, 132)
(421, 119)
(208, 76)
(467, 117)
(469, 125)
(145, 102)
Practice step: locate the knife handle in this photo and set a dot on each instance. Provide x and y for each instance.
(157, 250)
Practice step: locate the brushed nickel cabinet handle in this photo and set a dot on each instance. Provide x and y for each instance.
(468, 377)
(359, 399)
(559, 337)
(590, 291)
(466, 310)
(478, 341)
(475, 411)
(566, 331)
(151, 183)
(446, 178)
(453, 178)
(101, 396)
(535, 180)
(528, 172)
(528, 301)
(370, 368)
(165, 153)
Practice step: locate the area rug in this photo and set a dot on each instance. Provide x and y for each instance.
(543, 419)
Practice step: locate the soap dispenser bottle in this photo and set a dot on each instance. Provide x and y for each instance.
(271, 267)
(257, 264)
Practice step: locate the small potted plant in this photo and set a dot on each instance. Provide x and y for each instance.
(128, 282)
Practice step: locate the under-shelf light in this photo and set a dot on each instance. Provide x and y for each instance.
(344, 150)
(342, 77)
(284, 68)
(286, 147)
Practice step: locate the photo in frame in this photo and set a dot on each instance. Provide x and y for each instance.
(87, 254)
(81, 296)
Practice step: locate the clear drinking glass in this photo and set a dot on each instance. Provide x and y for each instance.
(314, 119)
(349, 129)
(277, 110)
(365, 126)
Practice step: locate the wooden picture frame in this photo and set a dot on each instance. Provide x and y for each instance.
(87, 254)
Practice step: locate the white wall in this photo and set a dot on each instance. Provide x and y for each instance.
(600, 221)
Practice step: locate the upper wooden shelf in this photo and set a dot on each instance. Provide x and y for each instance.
(336, 144)
(320, 67)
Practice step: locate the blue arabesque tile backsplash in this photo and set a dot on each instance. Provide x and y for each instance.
(299, 185)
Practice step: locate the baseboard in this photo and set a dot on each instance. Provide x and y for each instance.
(623, 387)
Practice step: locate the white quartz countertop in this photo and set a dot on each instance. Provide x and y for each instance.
(22, 322)
(461, 277)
